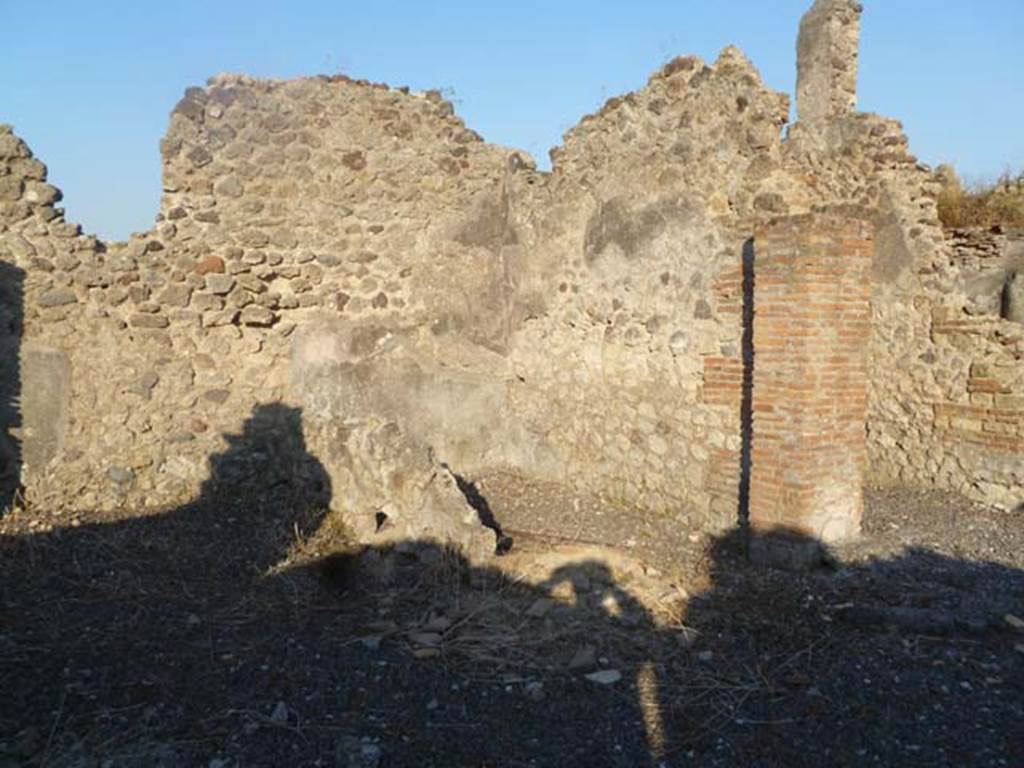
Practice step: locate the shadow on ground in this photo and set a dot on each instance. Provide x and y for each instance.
(242, 630)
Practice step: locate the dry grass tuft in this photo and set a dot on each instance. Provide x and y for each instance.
(981, 204)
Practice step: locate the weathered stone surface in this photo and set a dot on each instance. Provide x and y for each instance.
(1013, 297)
(426, 297)
(209, 265)
(143, 320)
(219, 317)
(230, 186)
(41, 194)
(219, 396)
(58, 297)
(827, 58)
(219, 285)
(256, 315)
(177, 295)
(11, 147)
(199, 157)
(11, 187)
(45, 405)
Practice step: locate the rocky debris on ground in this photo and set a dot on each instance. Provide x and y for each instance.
(584, 658)
(604, 676)
(358, 753)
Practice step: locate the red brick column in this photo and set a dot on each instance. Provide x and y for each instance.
(812, 322)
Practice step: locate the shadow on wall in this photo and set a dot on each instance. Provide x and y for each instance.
(747, 391)
(11, 327)
(223, 631)
(268, 467)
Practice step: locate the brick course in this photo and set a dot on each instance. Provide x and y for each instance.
(811, 330)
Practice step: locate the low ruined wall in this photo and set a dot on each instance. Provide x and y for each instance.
(990, 268)
(948, 369)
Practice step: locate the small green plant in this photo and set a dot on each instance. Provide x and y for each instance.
(981, 204)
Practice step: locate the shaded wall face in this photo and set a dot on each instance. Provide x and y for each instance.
(11, 325)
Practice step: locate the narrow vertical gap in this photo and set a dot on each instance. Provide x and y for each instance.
(475, 499)
(12, 281)
(747, 391)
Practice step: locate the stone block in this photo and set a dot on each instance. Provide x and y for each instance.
(45, 401)
(219, 285)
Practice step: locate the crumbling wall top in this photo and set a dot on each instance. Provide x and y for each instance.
(826, 50)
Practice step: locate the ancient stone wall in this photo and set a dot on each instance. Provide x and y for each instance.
(936, 306)
(936, 326)
(175, 337)
(425, 298)
(988, 261)
(979, 417)
(647, 212)
(432, 304)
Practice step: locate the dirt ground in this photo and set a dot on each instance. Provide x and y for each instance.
(247, 634)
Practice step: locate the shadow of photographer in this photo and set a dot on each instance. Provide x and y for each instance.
(232, 629)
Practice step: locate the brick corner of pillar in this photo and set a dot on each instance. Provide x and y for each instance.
(811, 331)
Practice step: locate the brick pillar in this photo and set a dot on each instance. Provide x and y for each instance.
(812, 322)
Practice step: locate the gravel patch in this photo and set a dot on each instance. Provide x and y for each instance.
(217, 637)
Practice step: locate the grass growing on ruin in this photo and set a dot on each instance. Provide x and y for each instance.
(981, 204)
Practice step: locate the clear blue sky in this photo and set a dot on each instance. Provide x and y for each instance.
(90, 84)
